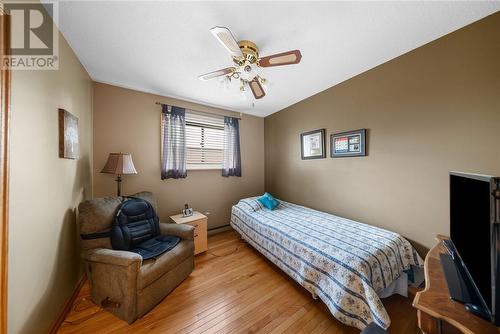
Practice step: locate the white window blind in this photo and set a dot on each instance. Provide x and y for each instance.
(204, 140)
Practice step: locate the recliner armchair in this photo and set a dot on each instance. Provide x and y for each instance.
(119, 280)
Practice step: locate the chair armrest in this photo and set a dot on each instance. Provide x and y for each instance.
(112, 276)
(111, 256)
(183, 231)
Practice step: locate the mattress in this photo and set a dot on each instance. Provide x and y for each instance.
(343, 262)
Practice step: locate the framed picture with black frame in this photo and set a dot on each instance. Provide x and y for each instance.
(313, 144)
(348, 144)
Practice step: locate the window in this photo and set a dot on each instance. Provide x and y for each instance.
(204, 141)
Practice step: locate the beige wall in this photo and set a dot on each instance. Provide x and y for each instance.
(428, 112)
(44, 262)
(129, 121)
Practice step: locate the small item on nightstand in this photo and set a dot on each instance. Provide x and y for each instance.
(187, 212)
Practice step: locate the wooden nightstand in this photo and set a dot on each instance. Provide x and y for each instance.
(199, 221)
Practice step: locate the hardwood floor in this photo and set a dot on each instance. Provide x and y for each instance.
(233, 289)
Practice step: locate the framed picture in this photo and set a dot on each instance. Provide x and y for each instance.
(348, 144)
(68, 135)
(312, 144)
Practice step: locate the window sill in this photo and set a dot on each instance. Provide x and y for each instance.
(202, 169)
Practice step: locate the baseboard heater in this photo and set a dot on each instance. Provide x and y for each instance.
(218, 227)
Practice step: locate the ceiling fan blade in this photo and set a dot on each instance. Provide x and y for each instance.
(257, 90)
(226, 38)
(284, 58)
(215, 74)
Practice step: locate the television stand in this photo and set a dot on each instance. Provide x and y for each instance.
(437, 312)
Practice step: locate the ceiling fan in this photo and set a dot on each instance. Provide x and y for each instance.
(247, 63)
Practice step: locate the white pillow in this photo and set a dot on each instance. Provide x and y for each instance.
(250, 204)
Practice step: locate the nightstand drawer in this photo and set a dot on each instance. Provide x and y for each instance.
(199, 226)
(200, 235)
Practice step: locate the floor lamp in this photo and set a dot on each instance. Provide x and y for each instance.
(119, 164)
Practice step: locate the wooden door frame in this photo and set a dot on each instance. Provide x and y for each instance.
(5, 86)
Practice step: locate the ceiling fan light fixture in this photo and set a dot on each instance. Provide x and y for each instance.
(246, 93)
(247, 64)
(265, 84)
(227, 82)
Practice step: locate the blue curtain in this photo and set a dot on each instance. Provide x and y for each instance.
(231, 165)
(173, 158)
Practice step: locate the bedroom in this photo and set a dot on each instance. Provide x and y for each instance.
(355, 136)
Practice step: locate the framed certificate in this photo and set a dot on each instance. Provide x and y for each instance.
(312, 144)
(348, 144)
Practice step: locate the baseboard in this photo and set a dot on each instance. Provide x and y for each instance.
(219, 229)
(67, 306)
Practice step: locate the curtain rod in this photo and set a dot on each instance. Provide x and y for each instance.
(204, 112)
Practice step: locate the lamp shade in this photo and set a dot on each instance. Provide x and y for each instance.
(119, 163)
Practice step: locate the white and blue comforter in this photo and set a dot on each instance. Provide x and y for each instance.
(342, 261)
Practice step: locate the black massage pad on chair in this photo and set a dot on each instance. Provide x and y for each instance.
(136, 228)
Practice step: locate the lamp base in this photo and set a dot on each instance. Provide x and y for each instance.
(118, 185)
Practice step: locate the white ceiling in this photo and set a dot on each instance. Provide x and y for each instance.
(161, 47)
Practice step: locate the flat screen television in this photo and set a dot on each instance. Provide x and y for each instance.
(474, 232)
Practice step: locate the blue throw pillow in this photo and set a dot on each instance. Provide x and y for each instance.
(268, 201)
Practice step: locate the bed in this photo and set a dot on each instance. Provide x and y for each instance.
(349, 265)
